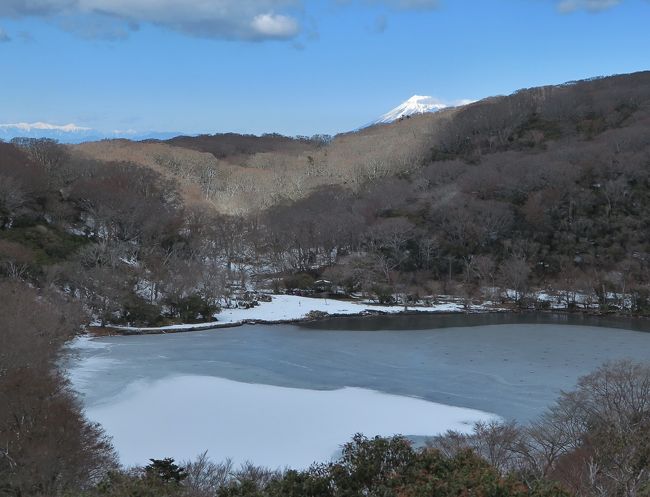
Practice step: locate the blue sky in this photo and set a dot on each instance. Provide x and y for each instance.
(294, 66)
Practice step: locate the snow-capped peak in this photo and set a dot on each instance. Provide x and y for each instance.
(72, 133)
(66, 128)
(417, 104)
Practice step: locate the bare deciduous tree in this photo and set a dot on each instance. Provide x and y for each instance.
(595, 440)
(46, 446)
(513, 276)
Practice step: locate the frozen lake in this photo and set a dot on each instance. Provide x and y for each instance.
(288, 395)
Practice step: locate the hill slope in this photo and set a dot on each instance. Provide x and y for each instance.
(548, 188)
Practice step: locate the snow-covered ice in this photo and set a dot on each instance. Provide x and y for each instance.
(178, 395)
(81, 373)
(182, 416)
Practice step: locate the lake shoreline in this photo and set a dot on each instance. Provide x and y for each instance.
(293, 309)
(102, 331)
(314, 315)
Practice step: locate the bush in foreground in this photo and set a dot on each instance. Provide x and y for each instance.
(377, 467)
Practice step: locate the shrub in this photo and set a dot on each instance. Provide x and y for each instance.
(300, 281)
(191, 309)
(384, 294)
(50, 245)
(138, 312)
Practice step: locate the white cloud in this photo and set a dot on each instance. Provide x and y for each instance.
(590, 5)
(4, 37)
(225, 19)
(20, 8)
(275, 26)
(220, 19)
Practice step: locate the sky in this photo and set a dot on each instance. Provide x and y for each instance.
(296, 67)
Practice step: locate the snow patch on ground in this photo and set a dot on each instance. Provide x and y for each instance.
(294, 308)
(182, 416)
(290, 307)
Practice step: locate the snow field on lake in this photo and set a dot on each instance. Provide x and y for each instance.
(182, 416)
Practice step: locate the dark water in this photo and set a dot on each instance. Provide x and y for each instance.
(511, 365)
(435, 321)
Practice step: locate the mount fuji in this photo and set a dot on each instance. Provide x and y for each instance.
(417, 104)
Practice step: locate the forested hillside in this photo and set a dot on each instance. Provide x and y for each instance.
(547, 188)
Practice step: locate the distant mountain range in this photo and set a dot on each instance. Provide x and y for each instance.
(71, 133)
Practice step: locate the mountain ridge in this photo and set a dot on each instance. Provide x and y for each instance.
(73, 134)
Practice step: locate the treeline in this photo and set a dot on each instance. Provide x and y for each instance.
(368, 467)
(228, 145)
(47, 447)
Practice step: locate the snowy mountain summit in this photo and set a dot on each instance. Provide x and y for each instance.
(417, 104)
(71, 133)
